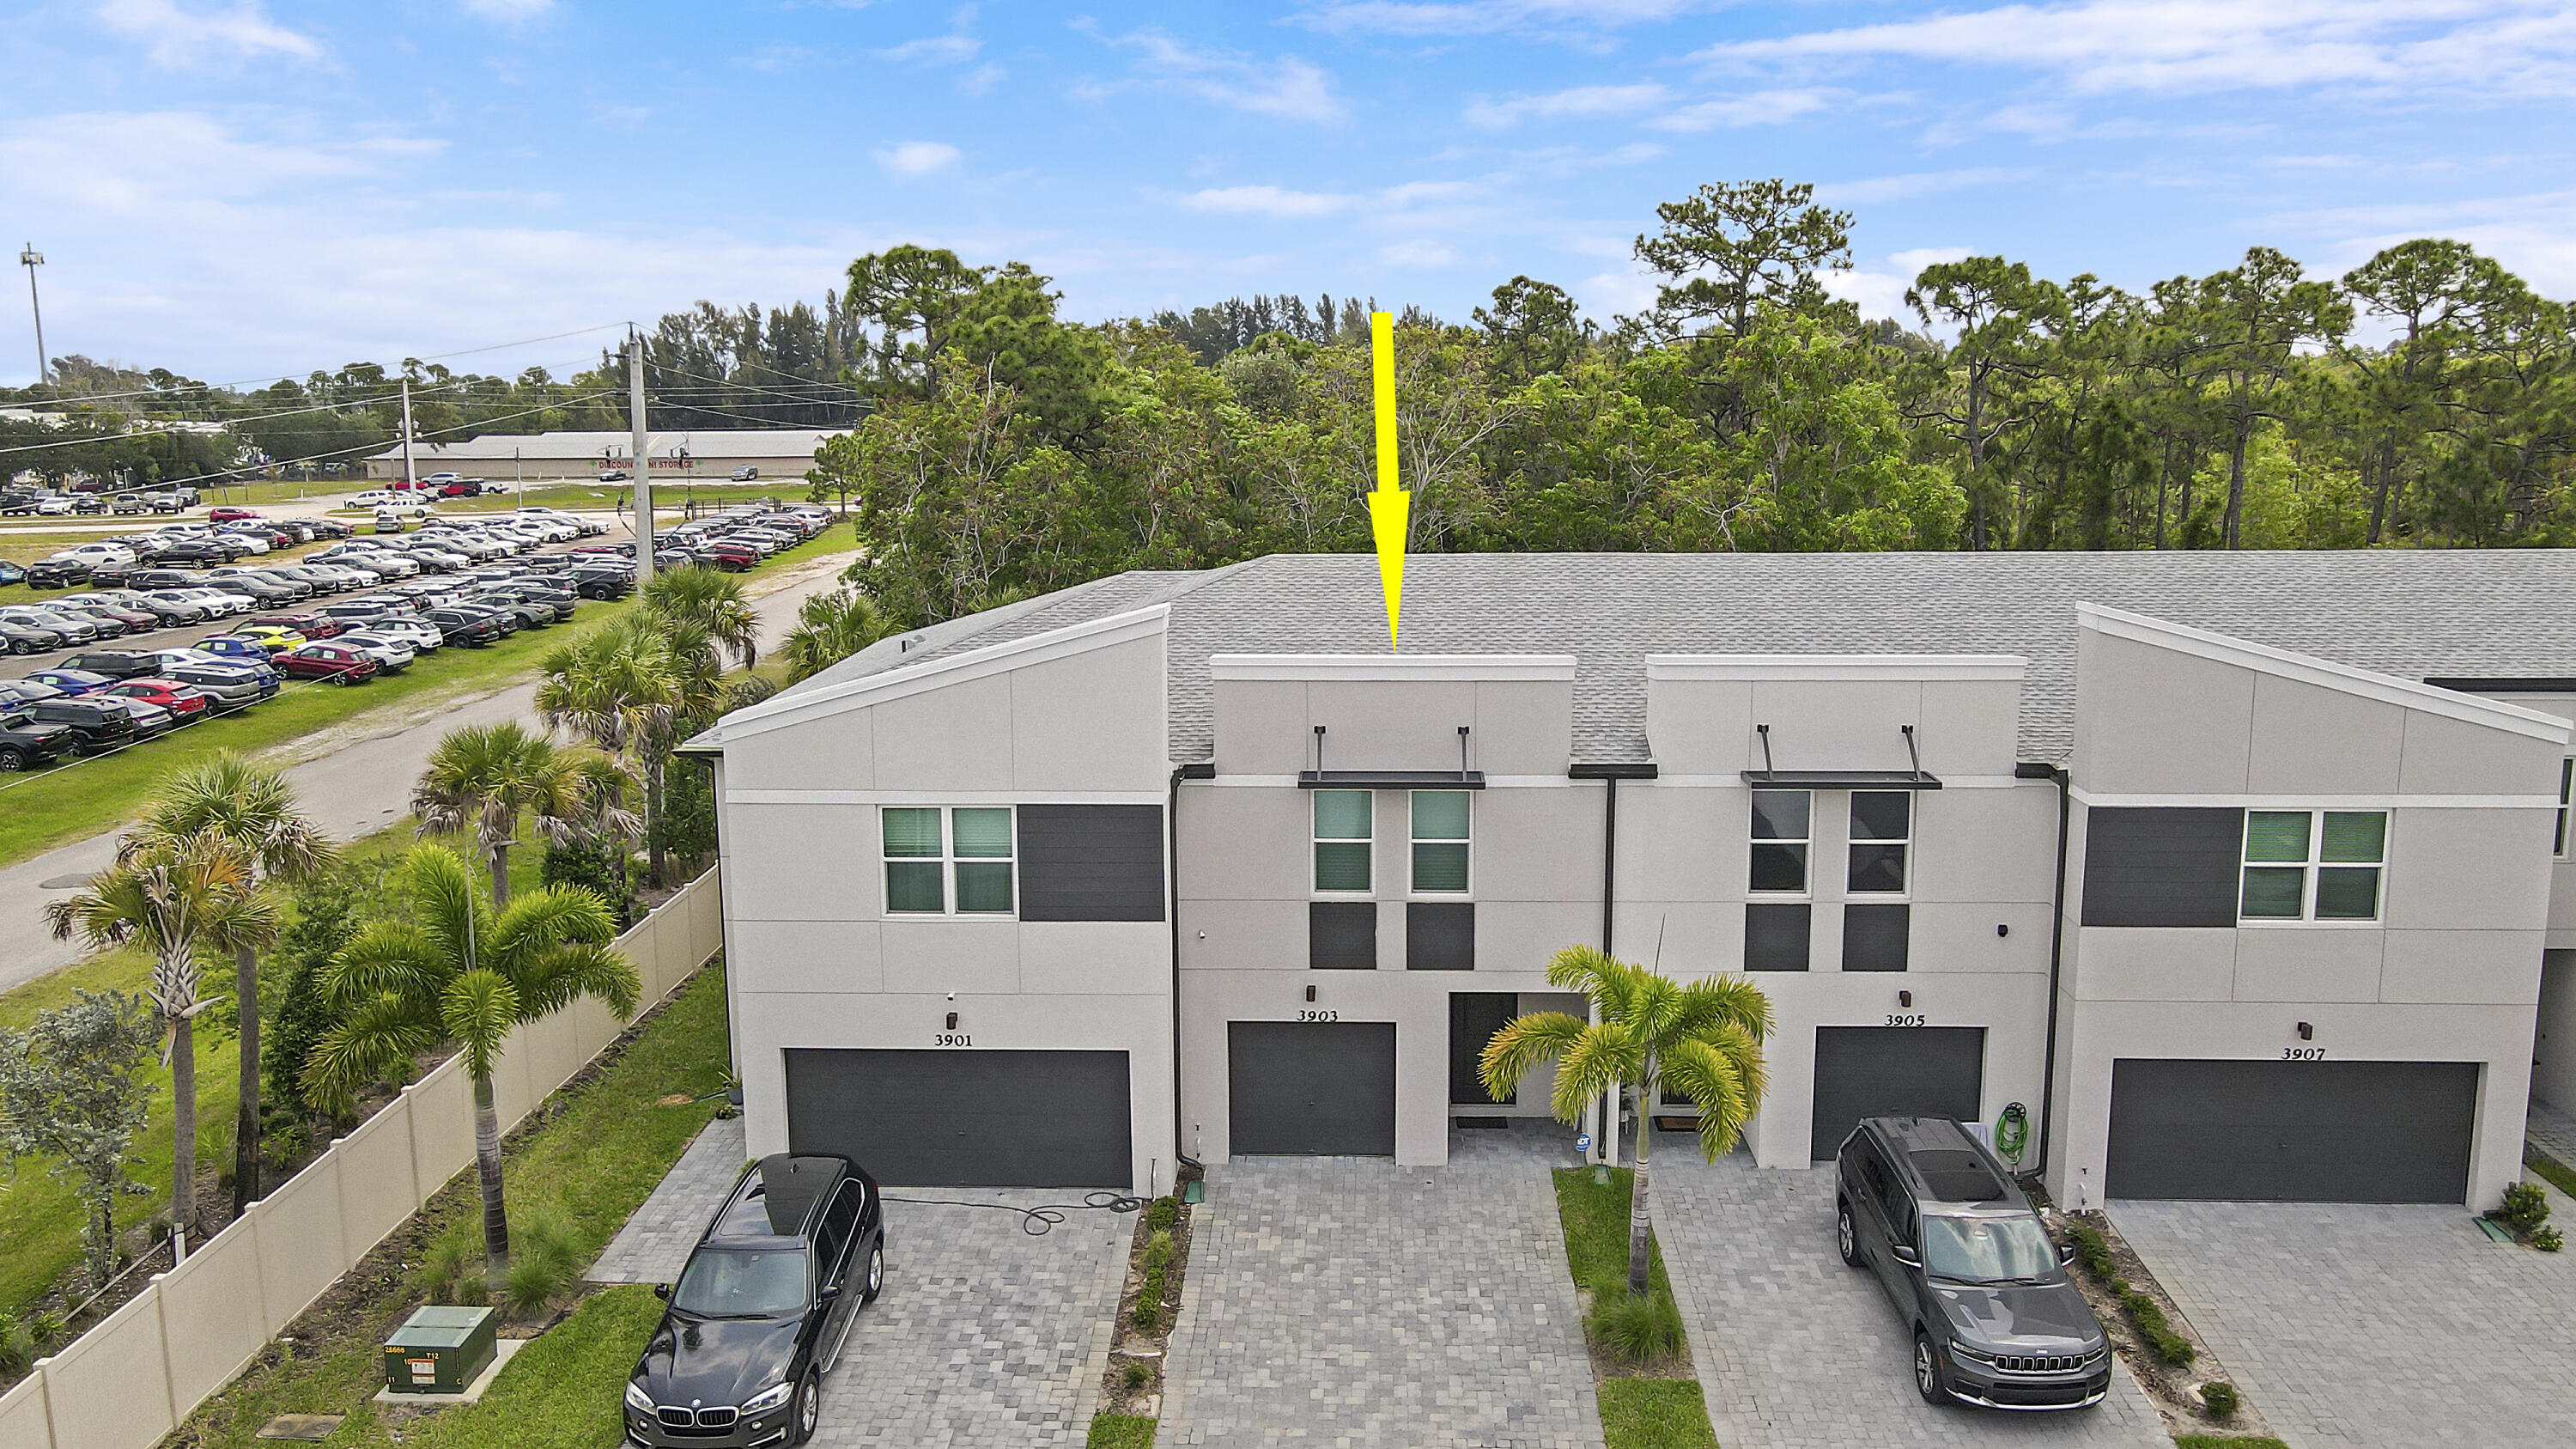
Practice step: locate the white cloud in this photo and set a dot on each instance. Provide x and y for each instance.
(1879, 291)
(172, 165)
(509, 12)
(181, 39)
(1286, 87)
(1487, 17)
(935, 49)
(917, 158)
(2170, 46)
(1274, 202)
(1624, 100)
(1416, 253)
(2533, 235)
(1917, 183)
(1755, 108)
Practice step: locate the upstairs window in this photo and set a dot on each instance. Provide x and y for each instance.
(1882, 840)
(1440, 841)
(1344, 827)
(2313, 865)
(1781, 831)
(929, 850)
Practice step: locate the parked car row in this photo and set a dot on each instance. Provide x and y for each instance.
(108, 562)
(739, 538)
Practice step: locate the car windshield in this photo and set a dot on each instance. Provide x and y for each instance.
(1987, 1249)
(742, 1283)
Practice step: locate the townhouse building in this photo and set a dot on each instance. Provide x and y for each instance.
(2235, 876)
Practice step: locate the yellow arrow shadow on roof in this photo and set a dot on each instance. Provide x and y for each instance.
(1390, 507)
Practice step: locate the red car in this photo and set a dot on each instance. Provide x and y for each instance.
(311, 626)
(184, 703)
(231, 513)
(334, 662)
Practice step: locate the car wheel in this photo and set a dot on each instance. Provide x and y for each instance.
(1927, 1371)
(876, 1273)
(12, 761)
(1845, 1237)
(809, 1407)
(21, 646)
(342, 679)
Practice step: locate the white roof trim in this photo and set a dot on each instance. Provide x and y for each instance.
(2324, 673)
(1312, 667)
(1828, 667)
(910, 679)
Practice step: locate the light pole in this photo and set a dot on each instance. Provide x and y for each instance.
(30, 258)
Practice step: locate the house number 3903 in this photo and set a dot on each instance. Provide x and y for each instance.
(951, 1038)
(1319, 1016)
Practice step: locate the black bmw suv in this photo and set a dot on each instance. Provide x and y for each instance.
(762, 1309)
(1923, 1206)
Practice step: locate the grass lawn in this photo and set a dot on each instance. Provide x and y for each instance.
(2548, 1168)
(1596, 1228)
(1655, 1414)
(2227, 1441)
(594, 1162)
(39, 1218)
(1120, 1431)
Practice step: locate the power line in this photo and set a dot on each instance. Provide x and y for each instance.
(292, 377)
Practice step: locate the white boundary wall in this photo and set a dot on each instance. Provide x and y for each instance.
(129, 1381)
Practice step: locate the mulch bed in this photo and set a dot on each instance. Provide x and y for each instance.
(2173, 1390)
(1148, 1347)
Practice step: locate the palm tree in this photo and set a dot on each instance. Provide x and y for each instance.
(253, 807)
(483, 776)
(626, 689)
(459, 970)
(709, 605)
(830, 628)
(1702, 1039)
(174, 894)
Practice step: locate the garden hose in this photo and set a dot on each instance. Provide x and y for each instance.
(2012, 1133)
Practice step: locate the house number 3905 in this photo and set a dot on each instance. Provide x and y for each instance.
(951, 1038)
(1911, 1018)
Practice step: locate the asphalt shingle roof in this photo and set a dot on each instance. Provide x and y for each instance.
(2414, 614)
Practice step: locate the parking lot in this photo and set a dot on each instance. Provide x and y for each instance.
(1797, 1351)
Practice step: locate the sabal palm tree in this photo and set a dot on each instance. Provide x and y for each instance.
(829, 628)
(1702, 1039)
(625, 688)
(174, 894)
(480, 777)
(460, 970)
(253, 807)
(712, 606)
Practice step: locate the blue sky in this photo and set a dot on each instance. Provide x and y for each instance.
(236, 188)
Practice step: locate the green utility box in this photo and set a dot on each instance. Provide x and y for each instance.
(439, 1350)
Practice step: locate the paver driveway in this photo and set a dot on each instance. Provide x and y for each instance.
(2369, 1325)
(1797, 1351)
(1348, 1301)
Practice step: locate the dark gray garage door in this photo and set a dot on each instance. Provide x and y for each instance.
(1316, 1088)
(2292, 1131)
(965, 1118)
(1894, 1071)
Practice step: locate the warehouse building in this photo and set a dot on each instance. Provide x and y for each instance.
(709, 455)
(2242, 875)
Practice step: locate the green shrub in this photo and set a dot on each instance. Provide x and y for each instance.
(601, 867)
(2548, 1240)
(452, 1270)
(1158, 1251)
(2219, 1396)
(1149, 1301)
(1136, 1375)
(19, 1343)
(2092, 1251)
(1641, 1330)
(1120, 1431)
(1165, 1212)
(545, 1262)
(2168, 1346)
(2525, 1208)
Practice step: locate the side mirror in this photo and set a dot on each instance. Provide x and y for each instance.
(2066, 1256)
(1906, 1255)
(662, 1291)
(829, 1291)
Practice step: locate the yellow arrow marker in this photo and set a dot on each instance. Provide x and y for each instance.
(1390, 507)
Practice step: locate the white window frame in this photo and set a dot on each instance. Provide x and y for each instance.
(1314, 884)
(947, 860)
(1466, 892)
(2307, 918)
(1806, 892)
(1903, 893)
(2565, 847)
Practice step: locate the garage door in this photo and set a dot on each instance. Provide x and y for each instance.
(1313, 1088)
(1894, 1071)
(965, 1118)
(2292, 1131)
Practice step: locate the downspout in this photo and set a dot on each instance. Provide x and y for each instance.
(1606, 1111)
(1204, 770)
(2028, 770)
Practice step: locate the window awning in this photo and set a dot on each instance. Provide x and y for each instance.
(1840, 780)
(1391, 780)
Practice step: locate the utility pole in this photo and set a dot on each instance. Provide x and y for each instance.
(409, 482)
(30, 258)
(643, 458)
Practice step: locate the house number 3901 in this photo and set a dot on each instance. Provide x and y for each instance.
(951, 1038)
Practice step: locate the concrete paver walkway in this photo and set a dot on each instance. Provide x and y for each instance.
(654, 1245)
(1797, 1351)
(1351, 1302)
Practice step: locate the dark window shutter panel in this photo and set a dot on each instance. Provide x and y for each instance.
(1874, 936)
(1091, 862)
(2162, 865)
(1341, 935)
(1775, 935)
(1440, 936)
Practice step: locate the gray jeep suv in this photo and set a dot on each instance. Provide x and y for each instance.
(1961, 1253)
